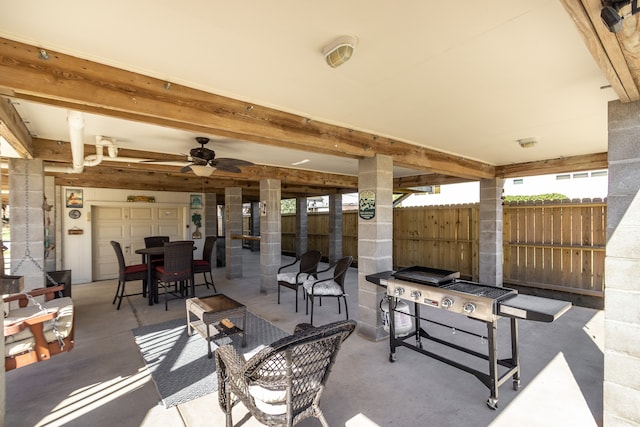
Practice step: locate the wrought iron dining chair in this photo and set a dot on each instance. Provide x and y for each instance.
(331, 287)
(205, 264)
(282, 383)
(176, 270)
(128, 273)
(307, 270)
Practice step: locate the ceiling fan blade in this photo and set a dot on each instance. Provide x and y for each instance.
(233, 162)
(186, 169)
(225, 167)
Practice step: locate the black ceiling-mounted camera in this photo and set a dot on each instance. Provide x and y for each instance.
(610, 13)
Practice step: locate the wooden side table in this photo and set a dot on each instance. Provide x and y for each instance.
(209, 311)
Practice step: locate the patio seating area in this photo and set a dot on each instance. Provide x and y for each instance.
(104, 380)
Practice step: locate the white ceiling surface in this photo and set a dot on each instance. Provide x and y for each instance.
(467, 77)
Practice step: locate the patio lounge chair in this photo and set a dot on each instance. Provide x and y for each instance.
(282, 383)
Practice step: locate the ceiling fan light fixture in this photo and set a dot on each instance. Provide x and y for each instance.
(204, 171)
(339, 50)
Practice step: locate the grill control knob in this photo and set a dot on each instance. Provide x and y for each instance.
(398, 291)
(469, 307)
(446, 302)
(416, 294)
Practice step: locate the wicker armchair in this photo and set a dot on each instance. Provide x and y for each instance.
(281, 385)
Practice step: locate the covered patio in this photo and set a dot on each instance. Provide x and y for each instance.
(104, 381)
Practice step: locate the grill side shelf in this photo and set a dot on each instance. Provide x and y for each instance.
(534, 308)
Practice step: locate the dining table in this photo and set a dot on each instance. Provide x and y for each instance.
(147, 258)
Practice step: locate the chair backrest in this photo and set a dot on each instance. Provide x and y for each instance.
(121, 263)
(209, 244)
(309, 261)
(341, 268)
(155, 241)
(300, 362)
(178, 259)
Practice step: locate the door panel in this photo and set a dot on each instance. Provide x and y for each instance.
(129, 225)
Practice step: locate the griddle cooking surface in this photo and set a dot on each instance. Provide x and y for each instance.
(426, 275)
(476, 289)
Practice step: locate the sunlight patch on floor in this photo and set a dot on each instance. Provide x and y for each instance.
(87, 399)
(360, 420)
(553, 398)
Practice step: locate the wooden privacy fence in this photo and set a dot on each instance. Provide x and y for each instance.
(549, 245)
(556, 245)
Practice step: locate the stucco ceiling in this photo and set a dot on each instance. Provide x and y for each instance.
(466, 77)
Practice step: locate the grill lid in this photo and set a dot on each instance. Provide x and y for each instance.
(426, 275)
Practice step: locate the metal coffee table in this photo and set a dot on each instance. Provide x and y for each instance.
(209, 311)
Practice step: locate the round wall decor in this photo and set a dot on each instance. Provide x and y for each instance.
(74, 214)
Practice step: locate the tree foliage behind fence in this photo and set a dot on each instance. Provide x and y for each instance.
(547, 244)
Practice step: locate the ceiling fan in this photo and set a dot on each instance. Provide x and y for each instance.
(204, 161)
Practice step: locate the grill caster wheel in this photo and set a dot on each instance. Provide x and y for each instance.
(492, 403)
(392, 357)
(516, 385)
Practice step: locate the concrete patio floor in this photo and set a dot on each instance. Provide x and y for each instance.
(103, 380)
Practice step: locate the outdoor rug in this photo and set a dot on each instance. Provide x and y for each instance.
(178, 362)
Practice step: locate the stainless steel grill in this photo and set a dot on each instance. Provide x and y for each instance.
(442, 289)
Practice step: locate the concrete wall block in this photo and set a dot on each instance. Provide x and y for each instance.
(622, 402)
(622, 368)
(620, 208)
(375, 248)
(616, 337)
(369, 297)
(623, 116)
(619, 270)
(626, 145)
(371, 264)
(624, 177)
(623, 242)
(622, 306)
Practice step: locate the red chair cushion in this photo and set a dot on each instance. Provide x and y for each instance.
(135, 268)
(201, 263)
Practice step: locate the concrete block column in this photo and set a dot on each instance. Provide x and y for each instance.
(255, 225)
(491, 231)
(302, 226)
(211, 214)
(26, 180)
(233, 221)
(375, 244)
(335, 227)
(270, 234)
(622, 269)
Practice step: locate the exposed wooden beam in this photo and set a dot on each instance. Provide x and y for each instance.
(604, 46)
(563, 165)
(89, 86)
(13, 129)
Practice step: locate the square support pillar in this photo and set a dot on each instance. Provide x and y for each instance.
(233, 226)
(26, 180)
(375, 241)
(490, 236)
(335, 227)
(270, 234)
(302, 226)
(622, 269)
(255, 226)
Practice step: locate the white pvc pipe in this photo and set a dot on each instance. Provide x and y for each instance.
(76, 136)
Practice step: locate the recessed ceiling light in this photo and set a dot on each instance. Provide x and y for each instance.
(301, 162)
(528, 142)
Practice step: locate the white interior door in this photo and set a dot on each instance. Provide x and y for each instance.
(129, 225)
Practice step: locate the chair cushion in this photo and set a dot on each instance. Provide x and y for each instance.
(201, 263)
(328, 287)
(270, 402)
(290, 277)
(135, 268)
(23, 340)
